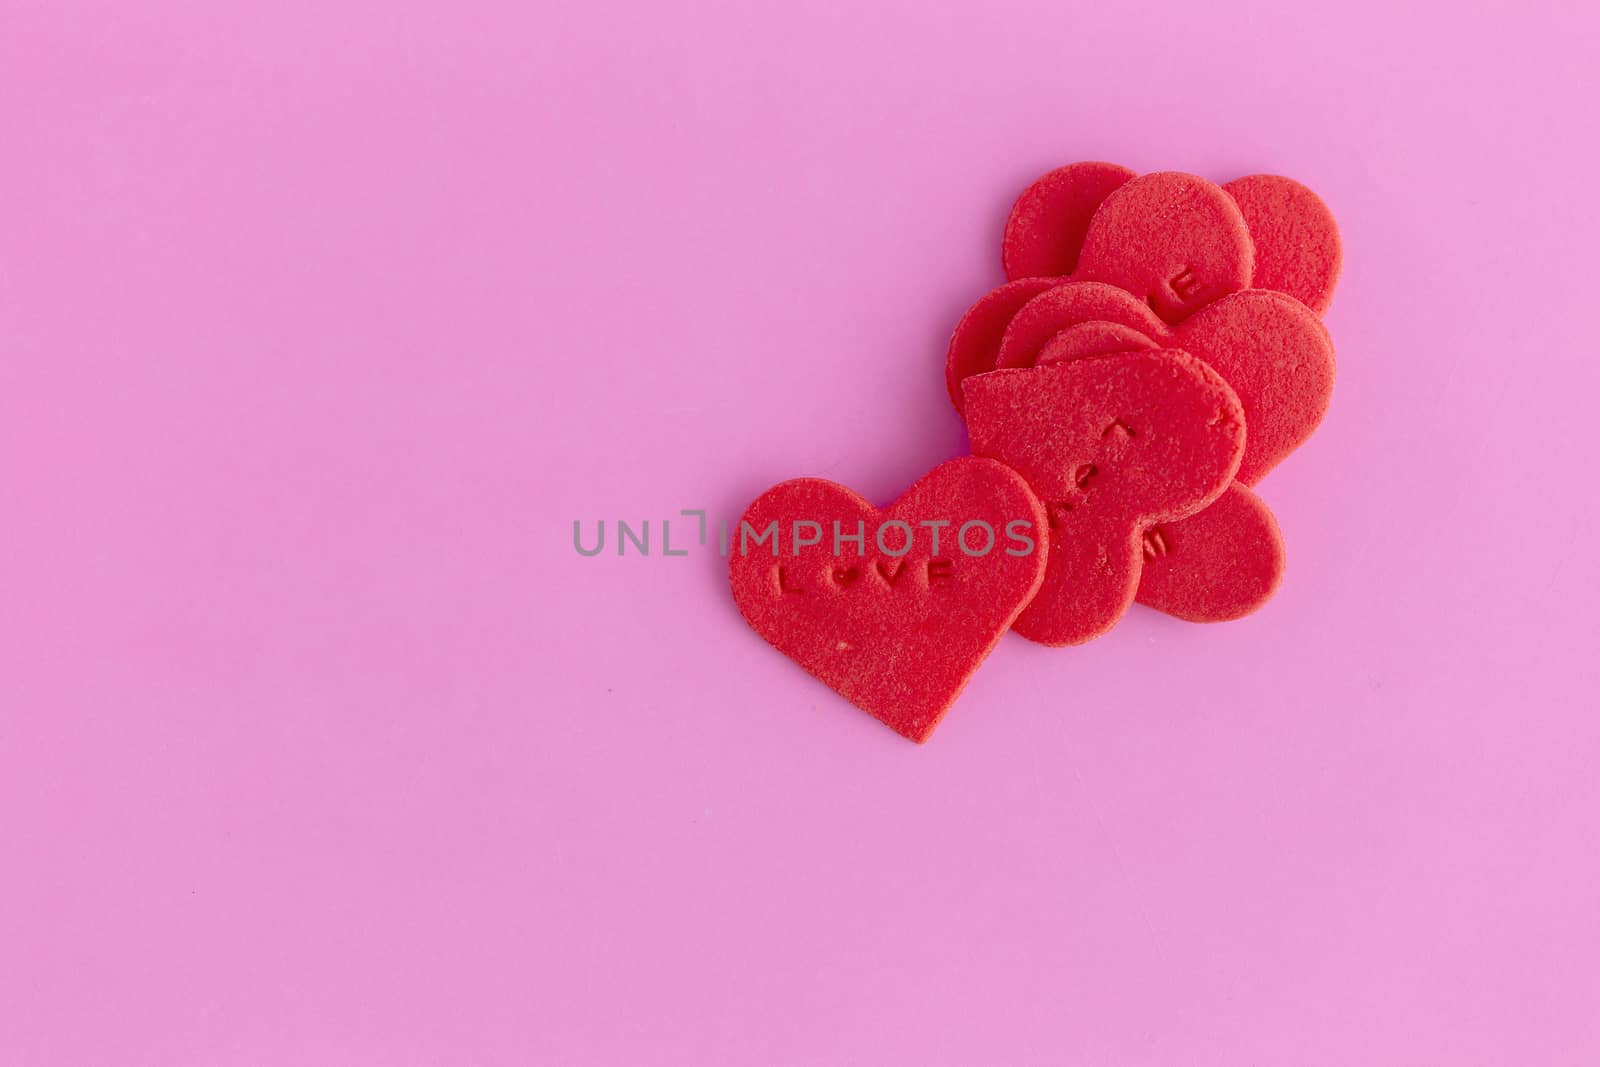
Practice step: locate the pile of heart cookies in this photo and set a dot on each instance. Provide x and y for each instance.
(1156, 351)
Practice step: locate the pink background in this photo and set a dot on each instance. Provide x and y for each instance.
(319, 745)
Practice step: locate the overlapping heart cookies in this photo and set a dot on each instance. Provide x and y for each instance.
(1156, 352)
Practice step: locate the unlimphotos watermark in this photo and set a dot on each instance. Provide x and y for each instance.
(891, 537)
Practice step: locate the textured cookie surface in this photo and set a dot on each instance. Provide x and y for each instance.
(1092, 339)
(1270, 348)
(1297, 247)
(1067, 305)
(894, 622)
(1220, 563)
(1277, 356)
(1235, 275)
(1111, 445)
(975, 344)
(1175, 241)
(1045, 230)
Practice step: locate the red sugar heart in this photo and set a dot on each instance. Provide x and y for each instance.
(1045, 229)
(1292, 237)
(1175, 241)
(1295, 237)
(1270, 348)
(1111, 444)
(1173, 250)
(896, 635)
(1221, 563)
(977, 336)
(1276, 355)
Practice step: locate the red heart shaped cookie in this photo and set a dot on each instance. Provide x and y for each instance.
(1111, 445)
(1297, 244)
(976, 340)
(1175, 241)
(1293, 237)
(1220, 563)
(1175, 250)
(1276, 355)
(1045, 230)
(894, 608)
(1272, 350)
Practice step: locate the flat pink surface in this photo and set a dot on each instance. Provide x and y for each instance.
(319, 745)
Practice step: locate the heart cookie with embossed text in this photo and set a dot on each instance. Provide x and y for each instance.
(1112, 444)
(894, 609)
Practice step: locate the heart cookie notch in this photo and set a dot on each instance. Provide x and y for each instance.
(894, 608)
